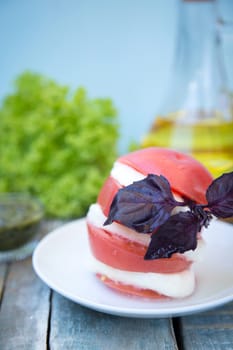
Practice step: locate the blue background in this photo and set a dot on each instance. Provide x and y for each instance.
(120, 49)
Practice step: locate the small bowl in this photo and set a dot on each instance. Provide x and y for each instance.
(20, 218)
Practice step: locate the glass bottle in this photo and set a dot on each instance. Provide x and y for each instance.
(197, 115)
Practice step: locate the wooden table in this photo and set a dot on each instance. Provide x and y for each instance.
(32, 316)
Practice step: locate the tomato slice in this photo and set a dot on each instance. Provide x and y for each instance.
(123, 254)
(186, 175)
(107, 193)
(131, 290)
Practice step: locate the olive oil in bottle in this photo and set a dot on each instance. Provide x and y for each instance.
(197, 113)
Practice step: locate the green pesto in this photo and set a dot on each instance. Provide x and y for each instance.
(20, 217)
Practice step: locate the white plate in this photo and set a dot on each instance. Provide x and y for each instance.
(61, 261)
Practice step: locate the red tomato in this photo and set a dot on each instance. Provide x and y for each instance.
(131, 290)
(120, 253)
(107, 193)
(186, 175)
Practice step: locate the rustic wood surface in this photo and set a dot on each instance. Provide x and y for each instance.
(209, 330)
(34, 317)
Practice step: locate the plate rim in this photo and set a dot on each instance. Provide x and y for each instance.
(172, 311)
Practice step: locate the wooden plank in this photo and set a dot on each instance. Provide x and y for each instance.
(76, 327)
(3, 273)
(209, 330)
(24, 310)
(47, 226)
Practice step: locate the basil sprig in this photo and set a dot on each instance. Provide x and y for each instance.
(146, 206)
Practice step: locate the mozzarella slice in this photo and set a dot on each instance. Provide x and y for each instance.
(175, 285)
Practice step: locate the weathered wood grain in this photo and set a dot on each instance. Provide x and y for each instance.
(211, 330)
(49, 225)
(3, 272)
(24, 310)
(76, 327)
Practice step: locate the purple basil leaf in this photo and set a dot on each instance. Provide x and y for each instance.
(220, 196)
(143, 205)
(177, 235)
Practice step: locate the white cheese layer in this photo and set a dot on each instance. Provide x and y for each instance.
(96, 217)
(174, 285)
(124, 174)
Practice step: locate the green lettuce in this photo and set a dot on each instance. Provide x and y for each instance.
(55, 144)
